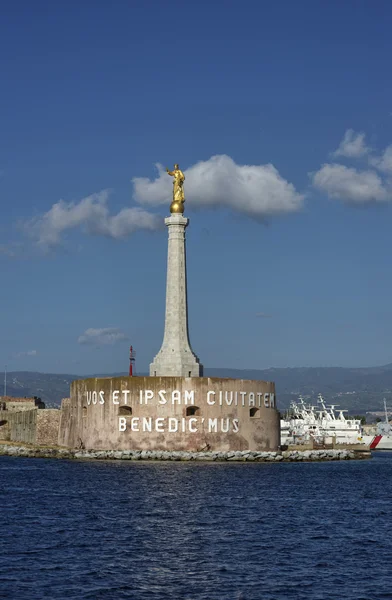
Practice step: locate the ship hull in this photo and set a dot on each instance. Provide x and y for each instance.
(378, 442)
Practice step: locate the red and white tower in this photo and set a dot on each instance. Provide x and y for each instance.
(132, 356)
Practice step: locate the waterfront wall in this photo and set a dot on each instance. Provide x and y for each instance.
(5, 428)
(170, 413)
(66, 433)
(34, 426)
(48, 422)
(23, 426)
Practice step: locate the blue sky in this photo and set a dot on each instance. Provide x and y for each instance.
(287, 265)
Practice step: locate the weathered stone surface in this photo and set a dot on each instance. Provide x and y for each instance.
(30, 424)
(181, 413)
(48, 422)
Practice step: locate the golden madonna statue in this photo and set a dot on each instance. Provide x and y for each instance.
(177, 205)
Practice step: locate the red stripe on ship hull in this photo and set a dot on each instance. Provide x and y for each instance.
(375, 442)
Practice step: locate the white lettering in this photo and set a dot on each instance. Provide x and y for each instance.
(147, 424)
(191, 428)
(159, 425)
(212, 425)
(225, 424)
(148, 395)
(162, 399)
(210, 402)
(176, 396)
(189, 396)
(173, 425)
(135, 424)
(229, 402)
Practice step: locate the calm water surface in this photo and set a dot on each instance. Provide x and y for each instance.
(113, 530)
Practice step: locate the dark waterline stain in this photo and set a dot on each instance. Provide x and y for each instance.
(209, 531)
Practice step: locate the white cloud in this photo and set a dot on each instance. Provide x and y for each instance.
(350, 184)
(257, 190)
(91, 214)
(102, 337)
(26, 353)
(384, 162)
(352, 145)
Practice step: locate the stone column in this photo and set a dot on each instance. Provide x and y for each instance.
(176, 357)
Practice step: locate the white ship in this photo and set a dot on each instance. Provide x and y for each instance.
(323, 424)
(381, 437)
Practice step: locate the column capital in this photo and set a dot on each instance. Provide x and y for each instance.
(176, 219)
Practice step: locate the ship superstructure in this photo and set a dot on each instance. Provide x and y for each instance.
(323, 424)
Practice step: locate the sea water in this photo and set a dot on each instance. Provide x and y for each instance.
(195, 531)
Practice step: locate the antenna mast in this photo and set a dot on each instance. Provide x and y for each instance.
(132, 355)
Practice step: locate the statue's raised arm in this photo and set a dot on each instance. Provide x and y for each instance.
(177, 205)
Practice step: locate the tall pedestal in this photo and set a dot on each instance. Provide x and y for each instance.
(176, 357)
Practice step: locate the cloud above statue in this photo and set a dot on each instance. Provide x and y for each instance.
(91, 215)
(257, 190)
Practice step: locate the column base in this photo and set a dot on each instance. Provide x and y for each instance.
(167, 366)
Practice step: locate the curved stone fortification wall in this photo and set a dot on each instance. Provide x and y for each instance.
(170, 413)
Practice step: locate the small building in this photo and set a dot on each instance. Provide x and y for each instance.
(27, 420)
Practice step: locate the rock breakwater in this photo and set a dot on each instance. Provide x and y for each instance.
(157, 455)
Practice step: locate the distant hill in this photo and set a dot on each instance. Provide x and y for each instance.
(50, 387)
(357, 389)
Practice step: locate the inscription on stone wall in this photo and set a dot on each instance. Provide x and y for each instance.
(187, 397)
(190, 424)
(174, 425)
